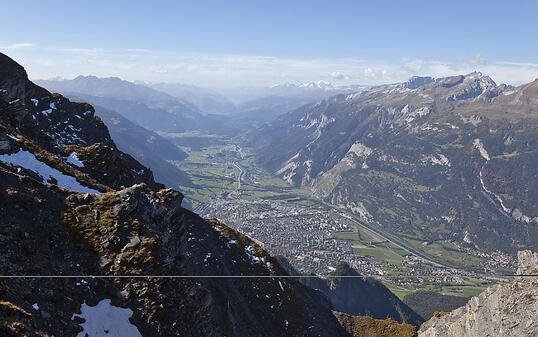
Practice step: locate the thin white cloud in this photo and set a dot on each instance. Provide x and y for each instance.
(214, 70)
(18, 46)
(138, 50)
(519, 64)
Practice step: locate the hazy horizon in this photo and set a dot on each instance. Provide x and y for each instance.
(235, 44)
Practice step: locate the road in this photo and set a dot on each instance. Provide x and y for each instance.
(394, 240)
(391, 238)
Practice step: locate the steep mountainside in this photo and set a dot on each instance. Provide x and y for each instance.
(207, 100)
(434, 159)
(509, 310)
(357, 295)
(426, 303)
(147, 147)
(265, 109)
(363, 296)
(113, 87)
(56, 157)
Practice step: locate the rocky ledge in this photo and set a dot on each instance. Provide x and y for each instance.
(502, 310)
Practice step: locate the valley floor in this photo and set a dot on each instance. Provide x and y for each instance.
(315, 236)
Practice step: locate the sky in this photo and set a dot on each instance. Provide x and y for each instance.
(254, 43)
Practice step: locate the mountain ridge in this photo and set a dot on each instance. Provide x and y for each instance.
(393, 155)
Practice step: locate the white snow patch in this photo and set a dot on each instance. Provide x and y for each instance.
(280, 284)
(46, 112)
(442, 160)
(73, 159)
(53, 105)
(448, 219)
(35, 306)
(478, 145)
(28, 160)
(106, 320)
(35, 101)
(253, 258)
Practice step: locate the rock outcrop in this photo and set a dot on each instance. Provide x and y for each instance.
(508, 310)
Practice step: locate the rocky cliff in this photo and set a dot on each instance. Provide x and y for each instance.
(503, 310)
(91, 244)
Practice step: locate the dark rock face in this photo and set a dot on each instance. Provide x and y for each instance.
(363, 297)
(139, 230)
(426, 303)
(357, 296)
(446, 159)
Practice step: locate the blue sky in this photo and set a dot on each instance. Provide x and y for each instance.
(255, 43)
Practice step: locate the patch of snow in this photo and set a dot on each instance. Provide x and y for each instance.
(509, 92)
(73, 159)
(280, 284)
(442, 160)
(53, 105)
(35, 101)
(207, 257)
(28, 160)
(478, 145)
(46, 112)
(106, 320)
(253, 258)
(35, 306)
(232, 241)
(448, 219)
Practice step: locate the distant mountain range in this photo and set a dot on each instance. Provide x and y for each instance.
(175, 107)
(147, 107)
(450, 159)
(310, 91)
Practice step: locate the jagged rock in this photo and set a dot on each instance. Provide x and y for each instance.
(528, 263)
(509, 310)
